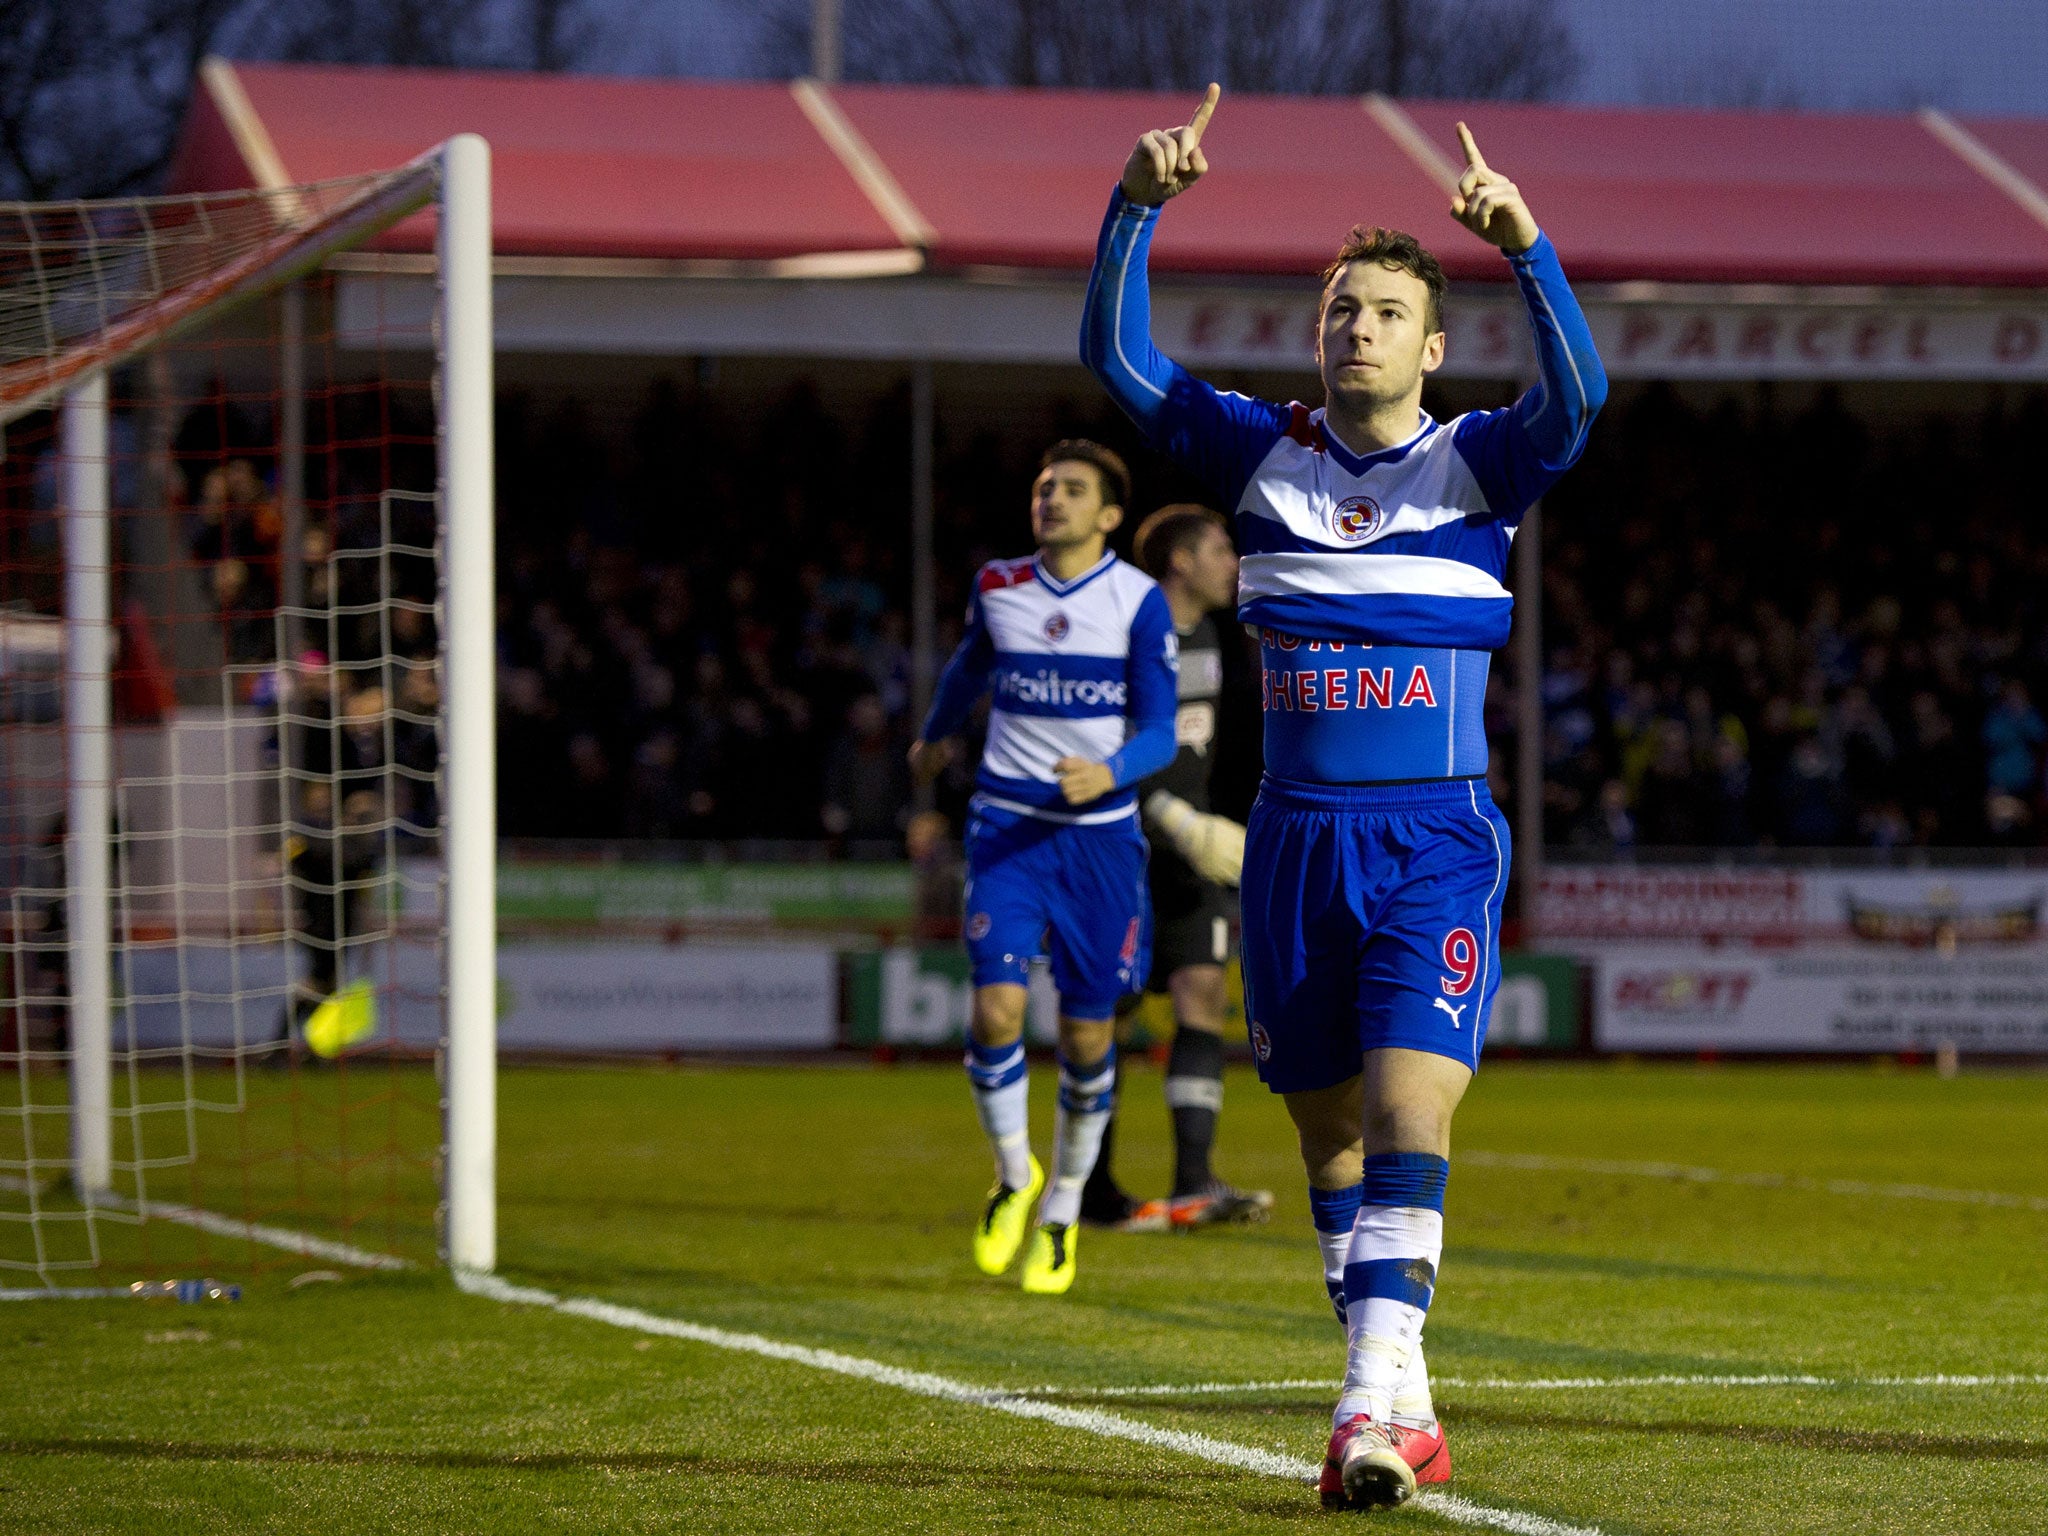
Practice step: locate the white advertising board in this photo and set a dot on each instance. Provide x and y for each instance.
(625, 997)
(1822, 997)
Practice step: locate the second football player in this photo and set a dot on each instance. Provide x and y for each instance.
(1197, 859)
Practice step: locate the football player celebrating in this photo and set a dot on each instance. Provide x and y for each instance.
(1196, 859)
(1374, 541)
(1078, 648)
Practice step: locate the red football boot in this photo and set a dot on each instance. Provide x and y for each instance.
(1372, 1465)
(1426, 1450)
(1331, 1484)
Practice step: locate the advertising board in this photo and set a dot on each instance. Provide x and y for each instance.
(1831, 997)
(563, 892)
(922, 997)
(1783, 958)
(650, 997)
(1939, 908)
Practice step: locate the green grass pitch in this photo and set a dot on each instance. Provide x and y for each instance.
(829, 1207)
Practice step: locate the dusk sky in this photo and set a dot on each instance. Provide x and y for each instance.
(1983, 56)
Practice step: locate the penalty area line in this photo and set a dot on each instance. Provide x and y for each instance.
(1109, 1426)
(1594, 1383)
(1537, 1162)
(1173, 1389)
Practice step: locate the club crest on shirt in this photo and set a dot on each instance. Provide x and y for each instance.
(978, 926)
(1355, 518)
(1056, 626)
(1262, 1043)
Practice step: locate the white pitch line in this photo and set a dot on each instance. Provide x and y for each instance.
(287, 1238)
(1537, 1162)
(275, 1237)
(1534, 1384)
(1091, 1421)
(257, 1232)
(1179, 1388)
(1594, 1383)
(65, 1293)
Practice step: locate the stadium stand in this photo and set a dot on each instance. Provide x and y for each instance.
(1704, 685)
(1697, 693)
(710, 684)
(1799, 629)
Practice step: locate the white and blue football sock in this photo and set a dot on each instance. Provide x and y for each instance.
(1335, 1213)
(1087, 1096)
(1413, 1406)
(1390, 1276)
(1002, 1087)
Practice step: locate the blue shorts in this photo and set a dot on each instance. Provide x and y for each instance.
(1371, 919)
(1075, 893)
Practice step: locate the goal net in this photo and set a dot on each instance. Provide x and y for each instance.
(245, 715)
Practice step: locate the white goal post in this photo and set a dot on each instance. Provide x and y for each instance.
(468, 497)
(75, 311)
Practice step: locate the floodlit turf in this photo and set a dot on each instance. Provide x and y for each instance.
(830, 1207)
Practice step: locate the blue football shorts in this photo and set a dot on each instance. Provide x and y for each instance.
(1074, 893)
(1371, 919)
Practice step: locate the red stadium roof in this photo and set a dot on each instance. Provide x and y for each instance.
(771, 172)
(581, 167)
(1021, 178)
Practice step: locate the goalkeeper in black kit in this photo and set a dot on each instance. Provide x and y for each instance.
(1197, 857)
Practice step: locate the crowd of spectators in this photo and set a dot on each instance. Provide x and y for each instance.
(1766, 624)
(1797, 628)
(355, 664)
(704, 634)
(363, 443)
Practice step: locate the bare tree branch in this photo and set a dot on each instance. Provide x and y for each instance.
(1510, 49)
(93, 92)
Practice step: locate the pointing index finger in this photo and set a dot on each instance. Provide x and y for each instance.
(1472, 156)
(1203, 113)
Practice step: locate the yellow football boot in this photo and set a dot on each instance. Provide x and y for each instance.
(1049, 1266)
(1000, 1232)
(345, 1018)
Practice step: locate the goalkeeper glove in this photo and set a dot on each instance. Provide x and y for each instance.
(1213, 845)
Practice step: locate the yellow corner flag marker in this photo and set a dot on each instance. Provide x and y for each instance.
(343, 1019)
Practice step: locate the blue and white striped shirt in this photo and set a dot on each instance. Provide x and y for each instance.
(1081, 668)
(1403, 551)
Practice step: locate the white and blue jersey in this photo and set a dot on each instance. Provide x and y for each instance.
(1403, 550)
(1082, 668)
(1375, 861)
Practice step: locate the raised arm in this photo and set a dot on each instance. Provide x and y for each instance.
(1116, 320)
(1219, 437)
(1518, 453)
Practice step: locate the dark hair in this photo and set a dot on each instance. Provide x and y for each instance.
(1404, 253)
(1115, 475)
(1170, 530)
